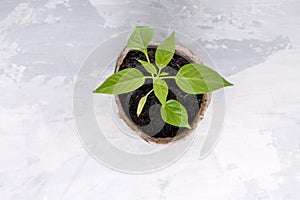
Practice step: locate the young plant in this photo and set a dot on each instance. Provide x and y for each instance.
(192, 78)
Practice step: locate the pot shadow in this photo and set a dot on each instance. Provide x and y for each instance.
(232, 56)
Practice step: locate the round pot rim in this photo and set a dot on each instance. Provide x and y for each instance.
(204, 103)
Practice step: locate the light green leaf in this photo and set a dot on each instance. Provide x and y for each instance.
(141, 105)
(164, 74)
(161, 90)
(140, 38)
(175, 114)
(122, 82)
(148, 66)
(165, 52)
(199, 79)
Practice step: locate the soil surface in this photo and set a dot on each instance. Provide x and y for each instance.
(150, 121)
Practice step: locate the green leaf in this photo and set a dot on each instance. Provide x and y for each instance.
(165, 52)
(199, 79)
(122, 82)
(148, 66)
(164, 74)
(175, 114)
(140, 38)
(161, 90)
(141, 105)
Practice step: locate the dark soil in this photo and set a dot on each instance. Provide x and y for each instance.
(150, 121)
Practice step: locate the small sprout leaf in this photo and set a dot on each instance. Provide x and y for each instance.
(148, 66)
(141, 105)
(161, 90)
(122, 82)
(140, 38)
(165, 52)
(199, 79)
(164, 74)
(175, 114)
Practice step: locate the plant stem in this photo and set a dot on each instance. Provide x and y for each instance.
(168, 77)
(148, 60)
(149, 93)
(159, 71)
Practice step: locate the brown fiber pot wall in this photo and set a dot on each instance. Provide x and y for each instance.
(204, 104)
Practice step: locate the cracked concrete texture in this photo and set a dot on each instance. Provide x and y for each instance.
(253, 43)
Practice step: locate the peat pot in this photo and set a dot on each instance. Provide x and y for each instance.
(149, 125)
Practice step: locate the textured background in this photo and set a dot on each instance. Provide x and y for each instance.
(254, 43)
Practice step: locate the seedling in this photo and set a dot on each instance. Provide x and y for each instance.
(192, 78)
